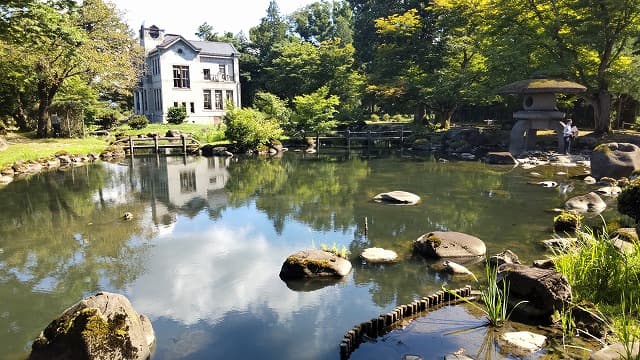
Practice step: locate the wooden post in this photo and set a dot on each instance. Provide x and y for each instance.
(348, 140)
(366, 226)
(401, 135)
(155, 143)
(369, 138)
(131, 146)
(317, 143)
(184, 144)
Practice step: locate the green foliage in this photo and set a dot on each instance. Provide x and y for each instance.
(342, 252)
(597, 271)
(108, 118)
(138, 122)
(210, 135)
(567, 221)
(374, 118)
(176, 114)
(315, 112)
(273, 107)
(323, 20)
(249, 128)
(629, 200)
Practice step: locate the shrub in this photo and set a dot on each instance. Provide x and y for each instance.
(176, 114)
(249, 128)
(629, 200)
(108, 118)
(386, 117)
(374, 118)
(315, 112)
(273, 107)
(138, 122)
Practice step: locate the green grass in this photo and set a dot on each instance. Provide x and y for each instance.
(205, 134)
(25, 147)
(601, 274)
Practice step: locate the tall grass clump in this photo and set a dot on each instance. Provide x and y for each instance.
(494, 297)
(600, 273)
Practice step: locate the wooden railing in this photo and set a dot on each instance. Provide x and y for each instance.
(184, 142)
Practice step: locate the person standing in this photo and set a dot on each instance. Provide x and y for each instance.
(568, 133)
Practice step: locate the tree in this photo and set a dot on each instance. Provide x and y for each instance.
(589, 41)
(272, 30)
(273, 107)
(249, 128)
(61, 40)
(315, 112)
(322, 21)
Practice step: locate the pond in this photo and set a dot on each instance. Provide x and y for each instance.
(202, 255)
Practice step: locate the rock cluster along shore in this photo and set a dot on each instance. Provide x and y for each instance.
(62, 160)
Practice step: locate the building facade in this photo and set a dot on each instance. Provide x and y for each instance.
(202, 76)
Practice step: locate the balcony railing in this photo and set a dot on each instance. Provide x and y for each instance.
(222, 77)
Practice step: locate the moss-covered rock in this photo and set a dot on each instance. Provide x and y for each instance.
(567, 222)
(314, 263)
(103, 326)
(629, 235)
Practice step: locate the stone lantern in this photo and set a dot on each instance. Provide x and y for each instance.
(539, 110)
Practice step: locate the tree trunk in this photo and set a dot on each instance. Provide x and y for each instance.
(443, 116)
(601, 104)
(21, 119)
(419, 114)
(45, 93)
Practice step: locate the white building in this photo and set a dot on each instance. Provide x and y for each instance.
(202, 76)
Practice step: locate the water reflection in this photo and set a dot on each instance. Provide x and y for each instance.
(202, 255)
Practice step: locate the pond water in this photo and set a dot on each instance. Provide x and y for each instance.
(202, 255)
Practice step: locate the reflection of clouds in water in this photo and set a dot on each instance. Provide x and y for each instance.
(202, 275)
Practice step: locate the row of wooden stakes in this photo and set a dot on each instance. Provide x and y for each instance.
(386, 322)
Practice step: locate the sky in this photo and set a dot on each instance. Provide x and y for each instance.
(184, 16)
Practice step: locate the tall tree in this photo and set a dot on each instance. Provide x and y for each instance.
(61, 40)
(323, 20)
(588, 41)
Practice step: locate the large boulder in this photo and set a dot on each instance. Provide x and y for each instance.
(449, 244)
(545, 290)
(314, 263)
(615, 160)
(590, 202)
(397, 198)
(505, 257)
(102, 326)
(501, 158)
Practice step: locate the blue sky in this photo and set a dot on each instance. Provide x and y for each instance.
(183, 17)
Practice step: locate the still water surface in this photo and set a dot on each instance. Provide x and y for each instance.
(202, 255)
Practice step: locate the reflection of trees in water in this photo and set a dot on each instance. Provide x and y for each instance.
(62, 239)
(319, 193)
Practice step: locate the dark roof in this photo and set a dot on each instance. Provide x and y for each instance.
(203, 47)
(537, 86)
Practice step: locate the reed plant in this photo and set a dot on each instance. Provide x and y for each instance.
(495, 298)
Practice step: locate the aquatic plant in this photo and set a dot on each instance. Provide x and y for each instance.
(342, 252)
(494, 297)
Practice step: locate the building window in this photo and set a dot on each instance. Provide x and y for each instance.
(222, 72)
(207, 99)
(181, 76)
(187, 182)
(219, 103)
(192, 107)
(207, 74)
(175, 104)
(229, 96)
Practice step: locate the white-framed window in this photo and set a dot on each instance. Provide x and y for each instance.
(222, 72)
(218, 100)
(207, 99)
(207, 74)
(181, 77)
(229, 96)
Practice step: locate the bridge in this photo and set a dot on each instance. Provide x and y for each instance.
(184, 142)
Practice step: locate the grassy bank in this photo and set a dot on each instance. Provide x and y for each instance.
(25, 146)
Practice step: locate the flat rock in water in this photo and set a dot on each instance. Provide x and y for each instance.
(449, 244)
(524, 341)
(379, 255)
(590, 202)
(609, 191)
(397, 198)
(501, 158)
(456, 269)
(589, 180)
(559, 243)
(614, 352)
